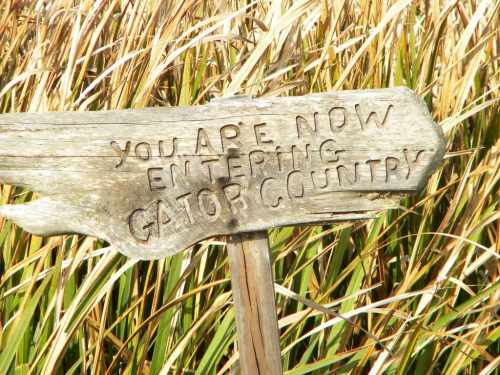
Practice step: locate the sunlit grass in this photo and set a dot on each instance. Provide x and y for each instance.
(423, 280)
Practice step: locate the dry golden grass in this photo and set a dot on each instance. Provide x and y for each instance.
(424, 280)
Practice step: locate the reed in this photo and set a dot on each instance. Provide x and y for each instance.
(423, 280)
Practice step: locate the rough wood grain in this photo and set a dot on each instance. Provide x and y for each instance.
(155, 181)
(254, 304)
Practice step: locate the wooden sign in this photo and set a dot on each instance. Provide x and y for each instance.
(153, 182)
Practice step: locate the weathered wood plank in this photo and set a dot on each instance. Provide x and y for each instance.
(254, 304)
(155, 181)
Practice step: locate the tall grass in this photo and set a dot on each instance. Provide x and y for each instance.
(423, 280)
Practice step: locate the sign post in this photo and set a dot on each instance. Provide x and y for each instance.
(254, 303)
(153, 182)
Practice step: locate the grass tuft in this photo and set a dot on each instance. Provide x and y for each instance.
(417, 288)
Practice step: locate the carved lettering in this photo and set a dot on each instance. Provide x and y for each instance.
(300, 168)
(234, 197)
(303, 124)
(164, 215)
(203, 143)
(121, 153)
(373, 115)
(266, 188)
(295, 185)
(260, 134)
(234, 168)
(143, 151)
(173, 152)
(258, 169)
(299, 158)
(140, 223)
(338, 118)
(392, 168)
(256, 159)
(412, 163)
(184, 199)
(343, 175)
(326, 179)
(265, 193)
(155, 178)
(279, 155)
(209, 163)
(209, 204)
(177, 175)
(328, 152)
(373, 165)
(230, 137)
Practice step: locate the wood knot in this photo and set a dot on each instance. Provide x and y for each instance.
(233, 223)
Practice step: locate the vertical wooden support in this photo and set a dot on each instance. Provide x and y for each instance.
(254, 304)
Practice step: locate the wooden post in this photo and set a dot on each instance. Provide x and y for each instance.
(254, 303)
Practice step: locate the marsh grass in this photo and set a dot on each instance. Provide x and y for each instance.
(423, 280)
